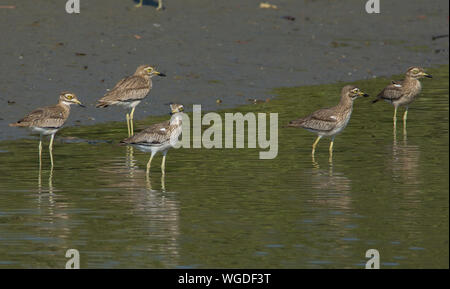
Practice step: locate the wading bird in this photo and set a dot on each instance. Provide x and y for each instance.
(130, 91)
(330, 121)
(403, 93)
(159, 137)
(48, 120)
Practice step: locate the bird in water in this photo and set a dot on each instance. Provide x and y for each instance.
(330, 121)
(48, 120)
(130, 91)
(159, 137)
(403, 92)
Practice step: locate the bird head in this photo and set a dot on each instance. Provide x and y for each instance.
(417, 72)
(69, 98)
(176, 108)
(148, 70)
(352, 92)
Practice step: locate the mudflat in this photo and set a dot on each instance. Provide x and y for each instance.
(211, 50)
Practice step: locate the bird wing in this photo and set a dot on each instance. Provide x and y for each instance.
(51, 116)
(322, 119)
(392, 92)
(128, 89)
(156, 134)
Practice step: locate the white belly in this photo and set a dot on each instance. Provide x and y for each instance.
(44, 131)
(129, 104)
(154, 149)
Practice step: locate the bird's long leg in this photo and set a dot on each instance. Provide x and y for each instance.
(405, 117)
(40, 165)
(315, 144)
(149, 163)
(40, 152)
(50, 181)
(131, 120)
(163, 163)
(160, 5)
(50, 148)
(140, 3)
(395, 118)
(128, 124)
(331, 149)
(163, 182)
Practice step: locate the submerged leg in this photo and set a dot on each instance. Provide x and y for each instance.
(395, 117)
(128, 124)
(315, 144)
(331, 147)
(163, 182)
(131, 120)
(50, 148)
(140, 3)
(163, 163)
(405, 117)
(160, 5)
(40, 152)
(149, 163)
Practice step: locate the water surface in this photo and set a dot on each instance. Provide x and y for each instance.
(228, 209)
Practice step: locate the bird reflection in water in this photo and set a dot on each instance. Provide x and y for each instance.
(160, 211)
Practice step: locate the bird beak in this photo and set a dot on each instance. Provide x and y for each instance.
(159, 74)
(78, 102)
(363, 94)
(427, 75)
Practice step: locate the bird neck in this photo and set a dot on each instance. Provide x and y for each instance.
(176, 119)
(345, 103)
(409, 80)
(64, 105)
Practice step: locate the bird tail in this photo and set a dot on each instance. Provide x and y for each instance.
(17, 124)
(125, 141)
(102, 104)
(294, 123)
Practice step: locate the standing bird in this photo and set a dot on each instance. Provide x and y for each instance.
(159, 137)
(48, 120)
(330, 121)
(130, 91)
(403, 92)
(160, 4)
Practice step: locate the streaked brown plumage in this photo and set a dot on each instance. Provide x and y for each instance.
(159, 137)
(50, 117)
(330, 121)
(48, 120)
(403, 92)
(130, 91)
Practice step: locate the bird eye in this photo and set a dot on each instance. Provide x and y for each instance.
(415, 70)
(69, 96)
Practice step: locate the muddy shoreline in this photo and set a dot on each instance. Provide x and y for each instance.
(210, 50)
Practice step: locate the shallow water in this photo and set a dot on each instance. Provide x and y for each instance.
(226, 208)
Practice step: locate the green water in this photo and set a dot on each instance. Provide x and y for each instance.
(225, 208)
